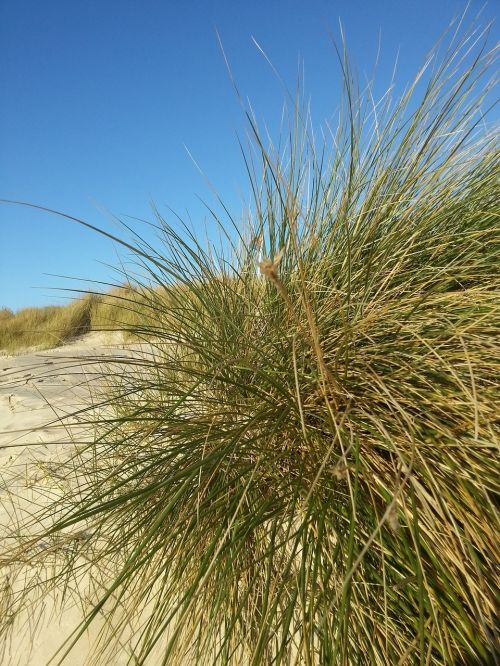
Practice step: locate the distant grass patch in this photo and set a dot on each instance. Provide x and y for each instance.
(45, 327)
(123, 308)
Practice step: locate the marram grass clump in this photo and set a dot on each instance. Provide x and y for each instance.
(300, 465)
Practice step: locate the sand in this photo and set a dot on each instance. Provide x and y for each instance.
(36, 390)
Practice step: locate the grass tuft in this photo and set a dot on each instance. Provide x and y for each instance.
(299, 465)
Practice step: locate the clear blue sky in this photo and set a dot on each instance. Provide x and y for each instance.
(100, 97)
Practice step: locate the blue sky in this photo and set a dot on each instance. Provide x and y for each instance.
(100, 99)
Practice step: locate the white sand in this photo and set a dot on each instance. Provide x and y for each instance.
(35, 389)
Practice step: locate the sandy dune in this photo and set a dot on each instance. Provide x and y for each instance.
(36, 390)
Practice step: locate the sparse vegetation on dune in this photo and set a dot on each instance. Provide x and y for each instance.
(5, 313)
(302, 465)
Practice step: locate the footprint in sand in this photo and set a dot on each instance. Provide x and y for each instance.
(13, 401)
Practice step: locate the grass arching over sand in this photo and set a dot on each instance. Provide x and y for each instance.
(302, 466)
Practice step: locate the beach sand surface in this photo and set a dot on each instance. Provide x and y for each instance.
(37, 390)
